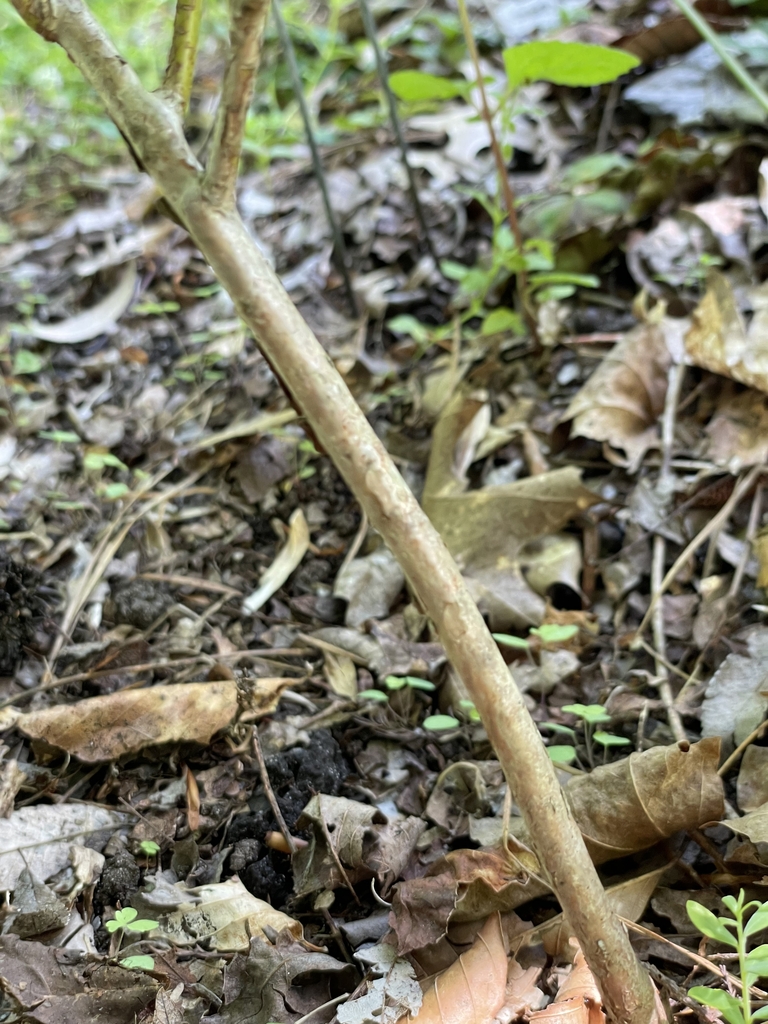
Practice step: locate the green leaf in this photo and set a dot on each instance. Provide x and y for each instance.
(412, 86)
(60, 436)
(552, 633)
(373, 695)
(453, 270)
(761, 1014)
(395, 682)
(511, 641)
(576, 64)
(502, 320)
(728, 1005)
(434, 723)
(138, 963)
(709, 925)
(607, 739)
(757, 922)
(150, 847)
(417, 683)
(562, 753)
(142, 926)
(557, 727)
(27, 362)
(411, 326)
(592, 713)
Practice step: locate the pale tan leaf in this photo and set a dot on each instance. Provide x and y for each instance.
(471, 991)
(719, 339)
(91, 322)
(340, 671)
(623, 399)
(287, 560)
(106, 728)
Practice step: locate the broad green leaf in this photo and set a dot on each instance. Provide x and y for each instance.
(576, 64)
(592, 713)
(728, 1005)
(138, 963)
(27, 362)
(761, 1014)
(557, 727)
(511, 641)
(409, 325)
(552, 633)
(453, 270)
(417, 683)
(757, 922)
(434, 723)
(733, 904)
(502, 319)
(142, 926)
(607, 739)
(709, 925)
(412, 86)
(373, 695)
(395, 682)
(562, 753)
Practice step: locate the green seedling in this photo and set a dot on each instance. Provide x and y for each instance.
(592, 715)
(549, 633)
(753, 964)
(125, 920)
(414, 682)
(438, 723)
(150, 847)
(138, 963)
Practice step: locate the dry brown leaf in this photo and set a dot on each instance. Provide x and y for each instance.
(578, 999)
(738, 431)
(623, 399)
(633, 803)
(720, 341)
(106, 728)
(472, 990)
(288, 559)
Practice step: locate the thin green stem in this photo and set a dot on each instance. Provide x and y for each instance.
(746, 1002)
(737, 69)
(183, 53)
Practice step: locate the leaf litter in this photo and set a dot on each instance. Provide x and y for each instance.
(219, 694)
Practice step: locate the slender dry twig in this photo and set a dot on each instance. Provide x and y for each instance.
(177, 83)
(752, 526)
(270, 793)
(381, 69)
(508, 193)
(748, 741)
(342, 257)
(247, 28)
(341, 427)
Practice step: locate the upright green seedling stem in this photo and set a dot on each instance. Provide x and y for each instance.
(205, 202)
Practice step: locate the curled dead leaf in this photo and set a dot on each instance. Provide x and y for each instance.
(287, 560)
(106, 728)
(91, 322)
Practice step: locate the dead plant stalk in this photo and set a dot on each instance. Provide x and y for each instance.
(206, 204)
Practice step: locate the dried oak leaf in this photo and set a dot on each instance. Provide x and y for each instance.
(623, 399)
(279, 983)
(59, 986)
(106, 728)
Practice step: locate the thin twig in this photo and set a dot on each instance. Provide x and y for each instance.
(357, 542)
(510, 201)
(743, 486)
(734, 757)
(177, 84)
(737, 69)
(752, 525)
(246, 32)
(270, 793)
(381, 68)
(340, 249)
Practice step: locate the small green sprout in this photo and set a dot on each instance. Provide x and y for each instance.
(414, 682)
(549, 633)
(125, 920)
(138, 963)
(149, 847)
(436, 723)
(752, 964)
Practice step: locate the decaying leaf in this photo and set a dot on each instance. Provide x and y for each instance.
(623, 399)
(719, 339)
(279, 983)
(578, 999)
(737, 694)
(754, 826)
(355, 836)
(752, 783)
(226, 918)
(738, 430)
(287, 560)
(38, 908)
(391, 994)
(633, 803)
(46, 985)
(370, 586)
(106, 728)
(42, 837)
(340, 671)
(472, 990)
(94, 321)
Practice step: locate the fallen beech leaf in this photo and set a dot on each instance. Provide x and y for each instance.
(106, 728)
(226, 918)
(633, 803)
(370, 586)
(393, 992)
(578, 999)
(287, 560)
(623, 399)
(91, 322)
(735, 701)
(472, 990)
(720, 341)
(738, 431)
